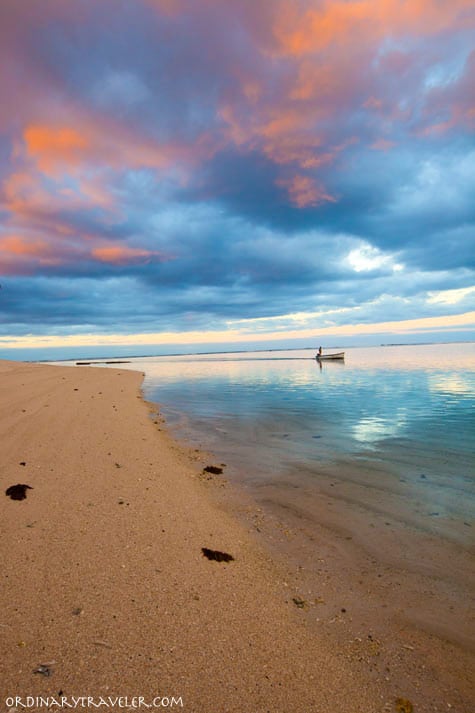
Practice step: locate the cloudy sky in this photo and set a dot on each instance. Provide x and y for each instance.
(210, 172)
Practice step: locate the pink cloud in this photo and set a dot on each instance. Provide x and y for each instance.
(27, 254)
(124, 255)
(28, 196)
(304, 191)
(306, 28)
(57, 148)
(51, 147)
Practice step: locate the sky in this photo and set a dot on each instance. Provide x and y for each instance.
(186, 174)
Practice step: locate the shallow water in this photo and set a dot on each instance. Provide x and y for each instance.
(392, 426)
(391, 415)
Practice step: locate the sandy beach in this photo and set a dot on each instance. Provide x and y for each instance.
(106, 590)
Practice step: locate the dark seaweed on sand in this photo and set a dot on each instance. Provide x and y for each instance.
(214, 469)
(18, 491)
(216, 555)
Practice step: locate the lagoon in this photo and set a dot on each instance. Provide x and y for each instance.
(387, 415)
(394, 426)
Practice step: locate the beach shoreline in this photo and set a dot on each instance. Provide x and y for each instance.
(107, 588)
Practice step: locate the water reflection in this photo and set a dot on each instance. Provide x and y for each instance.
(397, 419)
(417, 399)
(380, 395)
(452, 384)
(372, 429)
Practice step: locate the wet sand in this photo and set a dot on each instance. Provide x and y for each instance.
(105, 589)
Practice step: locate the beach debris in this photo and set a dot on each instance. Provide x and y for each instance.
(403, 705)
(216, 555)
(214, 469)
(77, 611)
(43, 670)
(300, 603)
(105, 644)
(22, 462)
(18, 491)
(212, 474)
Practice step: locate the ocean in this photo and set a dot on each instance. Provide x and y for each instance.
(392, 417)
(388, 432)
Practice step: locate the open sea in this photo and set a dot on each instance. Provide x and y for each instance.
(390, 430)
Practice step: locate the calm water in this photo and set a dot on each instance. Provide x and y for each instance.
(387, 416)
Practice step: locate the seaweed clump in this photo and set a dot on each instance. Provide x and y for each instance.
(18, 491)
(216, 555)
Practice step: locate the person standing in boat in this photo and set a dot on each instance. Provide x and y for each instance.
(320, 352)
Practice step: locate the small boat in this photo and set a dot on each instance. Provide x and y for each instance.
(330, 357)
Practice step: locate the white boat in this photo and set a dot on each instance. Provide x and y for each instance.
(330, 357)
